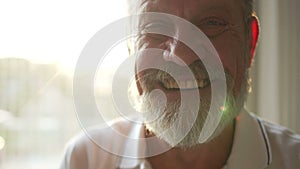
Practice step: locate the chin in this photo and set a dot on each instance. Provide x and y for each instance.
(176, 127)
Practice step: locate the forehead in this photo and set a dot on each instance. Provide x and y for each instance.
(190, 8)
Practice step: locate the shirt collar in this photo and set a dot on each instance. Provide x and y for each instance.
(251, 147)
(136, 150)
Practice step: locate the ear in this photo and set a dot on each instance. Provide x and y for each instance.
(254, 26)
(138, 84)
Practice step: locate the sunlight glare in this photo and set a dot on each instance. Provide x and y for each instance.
(53, 31)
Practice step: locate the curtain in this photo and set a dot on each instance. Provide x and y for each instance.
(276, 72)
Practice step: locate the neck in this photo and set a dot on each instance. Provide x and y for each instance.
(212, 155)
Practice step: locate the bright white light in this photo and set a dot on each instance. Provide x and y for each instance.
(53, 31)
(2, 143)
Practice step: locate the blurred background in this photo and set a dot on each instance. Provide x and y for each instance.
(40, 42)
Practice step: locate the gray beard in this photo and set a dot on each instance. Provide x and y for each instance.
(180, 128)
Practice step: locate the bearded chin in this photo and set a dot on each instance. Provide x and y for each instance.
(177, 125)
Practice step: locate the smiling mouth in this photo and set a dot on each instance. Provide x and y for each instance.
(170, 84)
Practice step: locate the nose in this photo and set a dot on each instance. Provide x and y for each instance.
(179, 53)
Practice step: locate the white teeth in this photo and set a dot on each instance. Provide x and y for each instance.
(190, 84)
(185, 84)
(172, 85)
(201, 83)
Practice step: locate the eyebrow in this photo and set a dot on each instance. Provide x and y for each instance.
(215, 7)
(206, 8)
(212, 9)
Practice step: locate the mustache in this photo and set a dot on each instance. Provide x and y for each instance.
(169, 68)
(197, 68)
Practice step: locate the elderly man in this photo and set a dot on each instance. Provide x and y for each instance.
(239, 141)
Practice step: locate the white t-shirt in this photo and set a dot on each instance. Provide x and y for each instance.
(257, 145)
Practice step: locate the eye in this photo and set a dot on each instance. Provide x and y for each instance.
(213, 26)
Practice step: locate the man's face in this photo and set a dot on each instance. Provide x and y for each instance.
(222, 21)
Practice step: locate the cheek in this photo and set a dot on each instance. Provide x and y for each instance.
(149, 53)
(232, 54)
